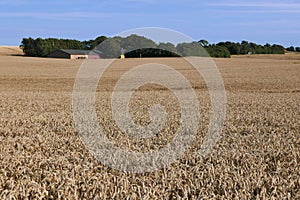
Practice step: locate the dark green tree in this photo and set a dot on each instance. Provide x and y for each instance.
(218, 51)
(42, 47)
(291, 48)
(245, 47)
(277, 49)
(191, 49)
(134, 42)
(28, 46)
(167, 46)
(234, 48)
(92, 44)
(203, 43)
(110, 48)
(267, 49)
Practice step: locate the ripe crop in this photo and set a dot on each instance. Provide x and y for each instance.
(257, 156)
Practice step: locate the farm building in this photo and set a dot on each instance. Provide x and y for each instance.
(74, 54)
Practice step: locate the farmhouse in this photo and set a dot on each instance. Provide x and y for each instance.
(74, 54)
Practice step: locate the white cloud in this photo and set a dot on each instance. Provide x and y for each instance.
(286, 11)
(257, 7)
(258, 4)
(62, 16)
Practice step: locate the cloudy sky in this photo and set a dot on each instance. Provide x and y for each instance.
(259, 21)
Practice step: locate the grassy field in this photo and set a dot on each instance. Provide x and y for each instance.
(257, 156)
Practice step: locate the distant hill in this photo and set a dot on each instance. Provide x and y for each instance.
(10, 50)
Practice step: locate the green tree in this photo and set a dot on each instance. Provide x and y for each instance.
(203, 43)
(42, 47)
(291, 48)
(267, 49)
(253, 47)
(167, 46)
(110, 48)
(218, 51)
(28, 46)
(234, 48)
(245, 47)
(277, 49)
(92, 44)
(134, 42)
(191, 49)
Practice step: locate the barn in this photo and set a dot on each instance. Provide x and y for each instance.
(74, 54)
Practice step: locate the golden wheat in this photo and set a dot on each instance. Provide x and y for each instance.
(257, 157)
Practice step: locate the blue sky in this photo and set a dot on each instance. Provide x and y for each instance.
(257, 21)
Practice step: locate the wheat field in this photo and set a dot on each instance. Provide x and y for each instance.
(257, 156)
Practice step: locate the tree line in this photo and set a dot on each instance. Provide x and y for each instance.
(139, 46)
(293, 49)
(42, 47)
(245, 47)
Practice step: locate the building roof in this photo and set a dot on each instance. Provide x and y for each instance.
(80, 52)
